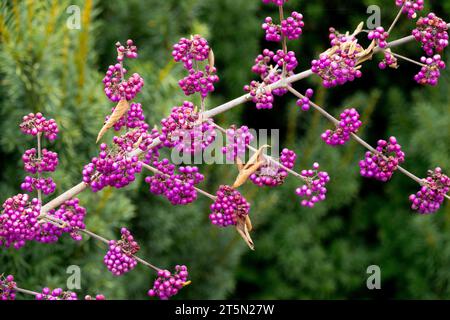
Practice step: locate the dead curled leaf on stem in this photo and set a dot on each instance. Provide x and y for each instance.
(211, 59)
(245, 171)
(243, 230)
(121, 108)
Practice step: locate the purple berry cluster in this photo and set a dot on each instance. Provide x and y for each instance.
(429, 74)
(261, 96)
(432, 33)
(314, 190)
(267, 72)
(349, 123)
(339, 64)
(228, 207)
(199, 81)
(19, 220)
(410, 7)
(380, 36)
(111, 168)
(167, 284)
(129, 50)
(237, 141)
(117, 88)
(381, 165)
(185, 131)
(273, 31)
(389, 61)
(132, 139)
(305, 102)
(56, 294)
(431, 195)
(291, 27)
(271, 174)
(281, 58)
(71, 214)
(7, 288)
(178, 188)
(190, 50)
(46, 185)
(46, 163)
(34, 124)
(119, 258)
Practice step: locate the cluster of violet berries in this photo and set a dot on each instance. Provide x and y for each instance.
(380, 36)
(119, 258)
(34, 124)
(19, 220)
(314, 190)
(410, 7)
(237, 141)
(190, 50)
(432, 193)
(271, 174)
(167, 284)
(389, 61)
(228, 207)
(178, 188)
(291, 28)
(338, 65)
(7, 288)
(260, 94)
(46, 185)
(199, 81)
(116, 87)
(432, 32)
(429, 73)
(46, 163)
(111, 168)
(56, 294)
(71, 214)
(305, 102)
(184, 130)
(349, 123)
(36, 162)
(382, 165)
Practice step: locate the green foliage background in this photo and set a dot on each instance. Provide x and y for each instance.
(300, 253)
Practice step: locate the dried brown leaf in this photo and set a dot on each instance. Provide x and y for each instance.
(358, 29)
(248, 223)
(255, 162)
(242, 229)
(211, 59)
(121, 108)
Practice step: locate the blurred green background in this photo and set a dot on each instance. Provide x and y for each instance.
(300, 253)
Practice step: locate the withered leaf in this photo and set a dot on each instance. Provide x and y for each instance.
(248, 223)
(211, 59)
(358, 29)
(239, 164)
(121, 108)
(242, 229)
(255, 162)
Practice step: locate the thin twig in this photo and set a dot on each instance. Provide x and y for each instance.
(395, 20)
